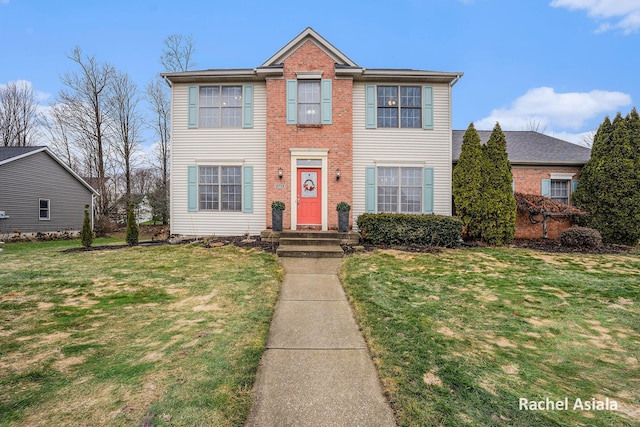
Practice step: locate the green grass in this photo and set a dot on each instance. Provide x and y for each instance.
(460, 336)
(167, 335)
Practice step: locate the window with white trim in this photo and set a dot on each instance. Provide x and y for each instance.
(403, 111)
(399, 189)
(560, 190)
(44, 211)
(220, 188)
(220, 106)
(309, 106)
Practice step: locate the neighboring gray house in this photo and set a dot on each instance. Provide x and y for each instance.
(39, 193)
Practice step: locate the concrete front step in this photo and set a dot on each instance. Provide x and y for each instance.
(350, 237)
(309, 251)
(309, 241)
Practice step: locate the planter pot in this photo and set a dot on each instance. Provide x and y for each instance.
(343, 221)
(276, 220)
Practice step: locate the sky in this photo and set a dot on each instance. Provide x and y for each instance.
(557, 66)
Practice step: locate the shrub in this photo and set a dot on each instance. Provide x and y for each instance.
(404, 229)
(343, 207)
(277, 206)
(87, 234)
(581, 237)
(132, 227)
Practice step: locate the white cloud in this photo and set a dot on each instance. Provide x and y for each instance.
(550, 110)
(623, 15)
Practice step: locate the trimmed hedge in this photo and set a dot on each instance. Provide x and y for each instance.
(406, 229)
(580, 237)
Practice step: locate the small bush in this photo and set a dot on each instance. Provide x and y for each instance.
(132, 227)
(404, 229)
(277, 206)
(581, 237)
(86, 236)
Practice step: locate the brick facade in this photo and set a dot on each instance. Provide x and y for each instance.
(336, 137)
(527, 179)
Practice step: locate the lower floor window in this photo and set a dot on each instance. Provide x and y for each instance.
(44, 209)
(399, 190)
(560, 190)
(220, 188)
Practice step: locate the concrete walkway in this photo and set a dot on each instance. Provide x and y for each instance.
(316, 370)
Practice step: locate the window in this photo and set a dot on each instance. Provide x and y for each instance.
(399, 190)
(403, 111)
(309, 102)
(220, 188)
(44, 209)
(220, 106)
(560, 190)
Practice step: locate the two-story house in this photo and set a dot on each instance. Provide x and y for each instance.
(311, 128)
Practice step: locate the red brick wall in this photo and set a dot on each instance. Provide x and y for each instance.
(527, 180)
(337, 137)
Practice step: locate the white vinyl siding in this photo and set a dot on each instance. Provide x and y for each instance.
(221, 147)
(403, 147)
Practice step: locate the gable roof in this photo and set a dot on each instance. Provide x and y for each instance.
(344, 67)
(306, 35)
(11, 154)
(531, 148)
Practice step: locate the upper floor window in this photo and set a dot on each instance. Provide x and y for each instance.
(220, 106)
(399, 106)
(309, 105)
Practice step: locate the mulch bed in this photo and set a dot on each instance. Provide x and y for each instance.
(546, 245)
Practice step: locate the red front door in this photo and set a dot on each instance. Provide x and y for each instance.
(309, 196)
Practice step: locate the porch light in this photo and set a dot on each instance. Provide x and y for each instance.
(338, 174)
(280, 173)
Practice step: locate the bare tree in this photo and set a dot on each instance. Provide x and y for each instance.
(86, 102)
(158, 99)
(19, 117)
(126, 122)
(177, 52)
(536, 126)
(587, 139)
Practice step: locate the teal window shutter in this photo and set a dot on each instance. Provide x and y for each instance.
(292, 101)
(574, 185)
(247, 189)
(427, 107)
(193, 107)
(192, 188)
(247, 104)
(370, 195)
(327, 101)
(545, 185)
(427, 191)
(371, 110)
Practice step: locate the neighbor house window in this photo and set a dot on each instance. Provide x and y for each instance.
(399, 190)
(44, 209)
(309, 102)
(220, 106)
(220, 188)
(399, 106)
(560, 190)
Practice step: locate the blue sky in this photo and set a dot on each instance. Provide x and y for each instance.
(562, 65)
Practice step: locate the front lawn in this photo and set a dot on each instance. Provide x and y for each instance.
(164, 335)
(461, 336)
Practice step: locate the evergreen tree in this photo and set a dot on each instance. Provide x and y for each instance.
(609, 187)
(87, 234)
(467, 181)
(497, 204)
(132, 227)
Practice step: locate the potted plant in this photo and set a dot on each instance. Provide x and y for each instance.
(276, 215)
(343, 209)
